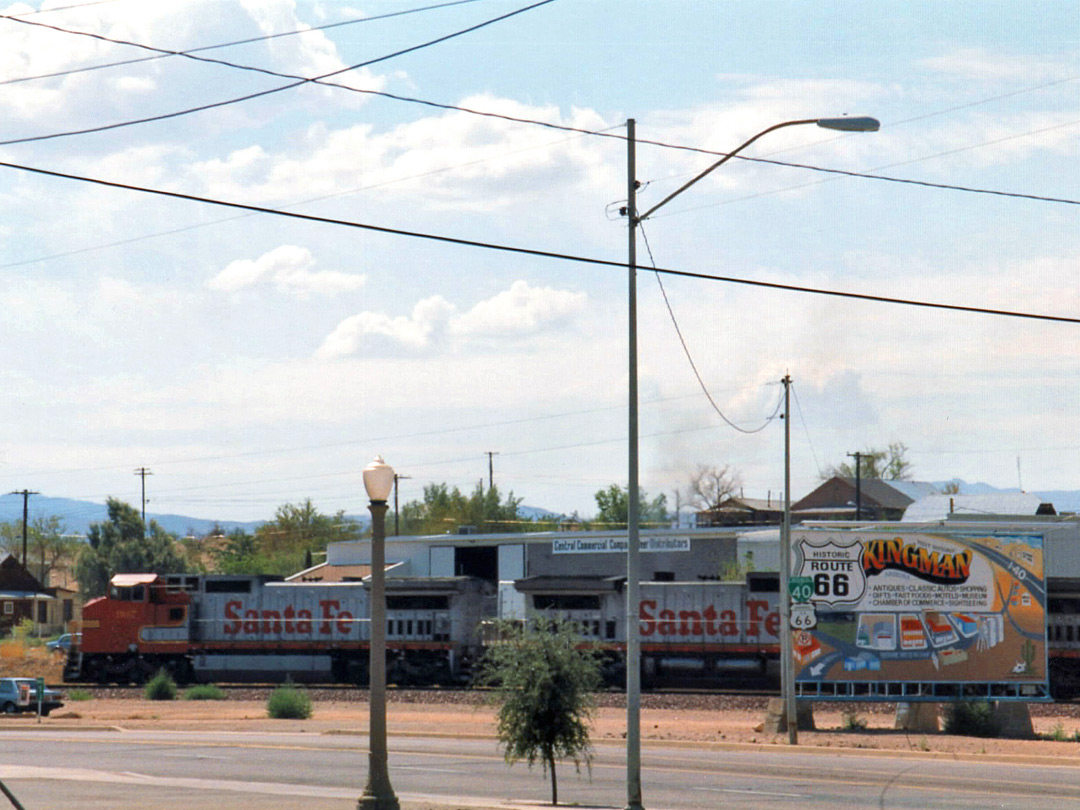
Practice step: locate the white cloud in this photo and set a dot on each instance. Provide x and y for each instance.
(983, 65)
(289, 269)
(520, 310)
(428, 318)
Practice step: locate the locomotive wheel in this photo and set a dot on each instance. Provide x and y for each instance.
(9, 708)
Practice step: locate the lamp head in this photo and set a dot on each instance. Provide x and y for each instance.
(378, 479)
(862, 123)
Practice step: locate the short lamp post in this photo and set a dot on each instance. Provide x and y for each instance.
(378, 793)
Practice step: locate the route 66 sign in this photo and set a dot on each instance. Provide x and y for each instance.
(803, 617)
(835, 570)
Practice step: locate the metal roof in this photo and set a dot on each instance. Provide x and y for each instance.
(129, 580)
(940, 507)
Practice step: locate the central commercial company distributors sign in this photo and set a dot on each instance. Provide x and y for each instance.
(889, 606)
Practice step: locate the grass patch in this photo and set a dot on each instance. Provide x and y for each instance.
(161, 687)
(204, 691)
(289, 703)
(79, 695)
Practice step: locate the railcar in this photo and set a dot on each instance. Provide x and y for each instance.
(702, 633)
(251, 628)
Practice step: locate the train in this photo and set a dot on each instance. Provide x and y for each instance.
(220, 628)
(234, 629)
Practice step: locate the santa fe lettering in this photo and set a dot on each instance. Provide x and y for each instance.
(290, 620)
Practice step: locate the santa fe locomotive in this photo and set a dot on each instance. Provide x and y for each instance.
(252, 629)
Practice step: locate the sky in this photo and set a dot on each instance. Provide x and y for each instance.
(249, 359)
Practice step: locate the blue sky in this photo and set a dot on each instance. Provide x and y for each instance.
(251, 360)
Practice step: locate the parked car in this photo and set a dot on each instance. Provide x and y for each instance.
(64, 642)
(20, 695)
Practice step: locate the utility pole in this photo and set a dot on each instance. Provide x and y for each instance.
(858, 484)
(491, 467)
(26, 493)
(397, 525)
(787, 662)
(142, 472)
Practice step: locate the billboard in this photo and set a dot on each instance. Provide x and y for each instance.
(886, 606)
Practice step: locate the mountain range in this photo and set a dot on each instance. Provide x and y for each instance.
(77, 515)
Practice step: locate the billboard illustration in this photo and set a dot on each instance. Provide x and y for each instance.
(918, 607)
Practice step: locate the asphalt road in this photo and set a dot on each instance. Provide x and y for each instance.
(88, 770)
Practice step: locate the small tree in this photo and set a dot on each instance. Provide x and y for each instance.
(613, 504)
(545, 681)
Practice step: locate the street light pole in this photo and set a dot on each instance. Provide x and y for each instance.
(633, 567)
(378, 793)
(633, 560)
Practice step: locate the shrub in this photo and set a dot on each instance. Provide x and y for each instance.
(79, 695)
(852, 721)
(204, 691)
(971, 719)
(161, 687)
(289, 703)
(23, 630)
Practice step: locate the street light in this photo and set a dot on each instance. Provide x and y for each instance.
(378, 794)
(633, 564)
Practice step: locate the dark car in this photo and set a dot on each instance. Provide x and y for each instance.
(20, 695)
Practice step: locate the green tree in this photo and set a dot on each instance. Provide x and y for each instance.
(546, 683)
(445, 509)
(614, 506)
(123, 545)
(286, 544)
(297, 528)
(890, 464)
(46, 546)
(239, 554)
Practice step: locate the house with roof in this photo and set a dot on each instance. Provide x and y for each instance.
(843, 498)
(22, 596)
(742, 512)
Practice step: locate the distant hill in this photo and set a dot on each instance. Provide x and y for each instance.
(78, 515)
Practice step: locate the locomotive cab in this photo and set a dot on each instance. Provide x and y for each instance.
(139, 627)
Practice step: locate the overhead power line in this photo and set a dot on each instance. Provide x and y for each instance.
(280, 88)
(163, 53)
(190, 53)
(546, 254)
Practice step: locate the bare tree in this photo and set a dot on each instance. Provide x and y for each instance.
(890, 464)
(710, 485)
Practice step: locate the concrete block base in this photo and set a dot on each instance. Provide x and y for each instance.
(1014, 719)
(776, 716)
(923, 718)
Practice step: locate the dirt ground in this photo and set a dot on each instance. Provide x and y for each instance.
(697, 727)
(730, 721)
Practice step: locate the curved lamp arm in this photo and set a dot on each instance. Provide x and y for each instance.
(854, 124)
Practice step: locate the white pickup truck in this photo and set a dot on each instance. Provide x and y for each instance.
(20, 695)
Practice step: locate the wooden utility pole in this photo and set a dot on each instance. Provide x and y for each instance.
(491, 467)
(142, 472)
(858, 484)
(26, 493)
